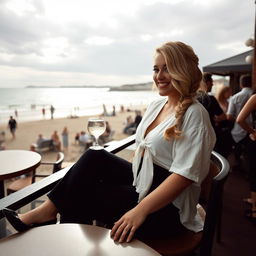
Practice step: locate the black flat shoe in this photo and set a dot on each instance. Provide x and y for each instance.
(20, 226)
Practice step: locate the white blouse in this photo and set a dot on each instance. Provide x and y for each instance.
(188, 156)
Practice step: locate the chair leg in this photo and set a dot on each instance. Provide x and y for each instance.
(219, 223)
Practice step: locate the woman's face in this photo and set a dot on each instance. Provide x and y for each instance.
(161, 76)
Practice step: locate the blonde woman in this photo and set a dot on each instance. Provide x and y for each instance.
(223, 96)
(157, 194)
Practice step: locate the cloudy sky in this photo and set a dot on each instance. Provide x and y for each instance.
(111, 42)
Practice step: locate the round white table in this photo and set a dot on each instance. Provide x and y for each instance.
(14, 163)
(70, 239)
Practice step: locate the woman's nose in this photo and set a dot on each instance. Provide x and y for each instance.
(160, 75)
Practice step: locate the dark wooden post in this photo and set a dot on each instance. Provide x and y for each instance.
(254, 57)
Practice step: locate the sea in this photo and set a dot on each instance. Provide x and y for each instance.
(68, 102)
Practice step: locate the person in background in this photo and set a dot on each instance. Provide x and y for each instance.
(52, 110)
(106, 136)
(133, 127)
(138, 118)
(105, 113)
(128, 124)
(85, 139)
(64, 135)
(122, 108)
(250, 128)
(114, 111)
(2, 140)
(236, 103)
(12, 124)
(40, 139)
(77, 138)
(43, 112)
(56, 141)
(224, 125)
(215, 112)
(16, 113)
(223, 94)
(157, 194)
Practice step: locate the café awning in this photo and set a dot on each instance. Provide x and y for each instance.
(227, 67)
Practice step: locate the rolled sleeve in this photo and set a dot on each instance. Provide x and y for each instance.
(192, 156)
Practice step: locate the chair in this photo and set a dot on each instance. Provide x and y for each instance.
(188, 242)
(27, 180)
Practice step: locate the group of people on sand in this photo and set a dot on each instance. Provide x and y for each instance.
(157, 194)
(86, 140)
(132, 124)
(52, 110)
(58, 144)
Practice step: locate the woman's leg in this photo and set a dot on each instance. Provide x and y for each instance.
(98, 186)
(45, 212)
(88, 185)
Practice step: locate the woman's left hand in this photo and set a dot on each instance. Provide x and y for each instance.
(125, 227)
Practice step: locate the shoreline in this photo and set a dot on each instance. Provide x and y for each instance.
(36, 114)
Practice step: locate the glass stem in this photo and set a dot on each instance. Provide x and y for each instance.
(96, 141)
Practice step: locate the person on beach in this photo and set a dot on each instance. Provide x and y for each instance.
(128, 124)
(131, 129)
(77, 138)
(56, 141)
(85, 140)
(242, 119)
(52, 109)
(16, 113)
(43, 112)
(64, 135)
(157, 194)
(12, 124)
(107, 135)
(40, 139)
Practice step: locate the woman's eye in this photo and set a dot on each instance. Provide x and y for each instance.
(155, 70)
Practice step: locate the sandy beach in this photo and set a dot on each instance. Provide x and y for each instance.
(27, 132)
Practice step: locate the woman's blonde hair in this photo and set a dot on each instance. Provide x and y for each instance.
(182, 65)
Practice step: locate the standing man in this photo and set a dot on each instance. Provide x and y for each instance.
(12, 124)
(236, 103)
(52, 109)
(43, 112)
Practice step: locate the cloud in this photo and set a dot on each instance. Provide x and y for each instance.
(114, 40)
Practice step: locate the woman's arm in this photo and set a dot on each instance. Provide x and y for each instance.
(164, 194)
(248, 108)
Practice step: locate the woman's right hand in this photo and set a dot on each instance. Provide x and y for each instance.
(125, 227)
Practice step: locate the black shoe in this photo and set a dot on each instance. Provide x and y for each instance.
(20, 226)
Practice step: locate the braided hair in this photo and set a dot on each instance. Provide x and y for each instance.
(182, 65)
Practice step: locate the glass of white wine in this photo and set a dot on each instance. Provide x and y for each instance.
(96, 126)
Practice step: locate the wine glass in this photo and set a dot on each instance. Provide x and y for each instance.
(96, 126)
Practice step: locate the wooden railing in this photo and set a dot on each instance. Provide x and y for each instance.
(28, 194)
